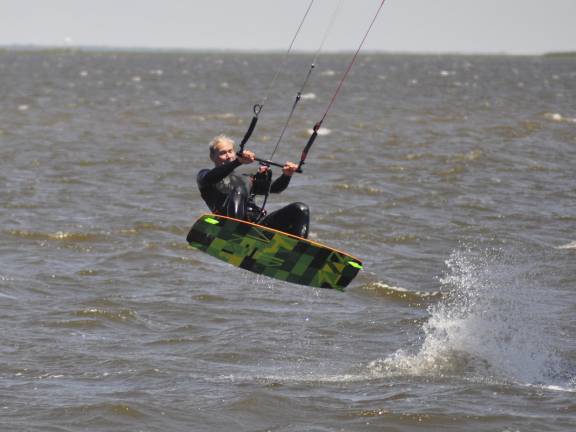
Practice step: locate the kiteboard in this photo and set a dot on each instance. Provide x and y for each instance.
(273, 253)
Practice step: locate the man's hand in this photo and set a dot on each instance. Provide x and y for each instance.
(263, 168)
(289, 168)
(246, 157)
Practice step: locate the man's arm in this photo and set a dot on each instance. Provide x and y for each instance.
(209, 177)
(283, 181)
(280, 184)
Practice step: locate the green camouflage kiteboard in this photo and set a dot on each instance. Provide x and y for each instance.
(273, 253)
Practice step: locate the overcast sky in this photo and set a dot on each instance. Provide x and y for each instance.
(462, 26)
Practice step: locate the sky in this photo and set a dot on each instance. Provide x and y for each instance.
(412, 26)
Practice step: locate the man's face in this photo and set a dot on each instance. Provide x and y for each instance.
(224, 153)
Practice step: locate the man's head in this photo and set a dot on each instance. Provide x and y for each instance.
(222, 150)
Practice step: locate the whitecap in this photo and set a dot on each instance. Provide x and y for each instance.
(322, 131)
(308, 96)
(557, 117)
(571, 245)
(328, 72)
(400, 293)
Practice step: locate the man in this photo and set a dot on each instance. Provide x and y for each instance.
(229, 194)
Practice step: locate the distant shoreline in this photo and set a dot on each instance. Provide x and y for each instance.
(566, 54)
(111, 49)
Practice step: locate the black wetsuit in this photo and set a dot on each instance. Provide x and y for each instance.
(229, 194)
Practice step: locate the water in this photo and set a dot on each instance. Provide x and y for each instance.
(451, 176)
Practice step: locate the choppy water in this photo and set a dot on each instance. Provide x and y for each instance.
(451, 176)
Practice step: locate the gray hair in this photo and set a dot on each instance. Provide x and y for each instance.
(217, 140)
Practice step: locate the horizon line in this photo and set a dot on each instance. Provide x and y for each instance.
(167, 49)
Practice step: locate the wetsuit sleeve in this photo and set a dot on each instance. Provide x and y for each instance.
(208, 177)
(280, 184)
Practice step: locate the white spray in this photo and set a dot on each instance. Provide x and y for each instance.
(496, 323)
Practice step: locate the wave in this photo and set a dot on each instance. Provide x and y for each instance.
(571, 245)
(121, 315)
(77, 324)
(103, 412)
(559, 118)
(321, 131)
(523, 129)
(401, 294)
(308, 96)
(359, 189)
(191, 115)
(57, 236)
(72, 236)
(328, 73)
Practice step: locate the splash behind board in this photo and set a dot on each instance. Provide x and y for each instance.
(273, 253)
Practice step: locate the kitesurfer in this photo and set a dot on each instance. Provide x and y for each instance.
(230, 194)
